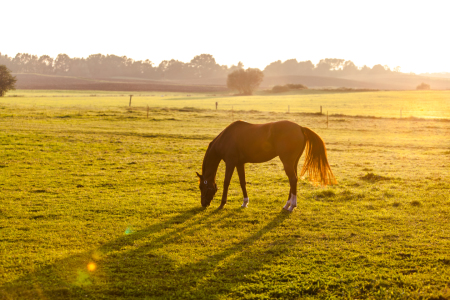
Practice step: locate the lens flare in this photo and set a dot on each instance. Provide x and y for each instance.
(128, 231)
(91, 266)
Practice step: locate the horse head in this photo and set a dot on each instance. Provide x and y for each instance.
(208, 189)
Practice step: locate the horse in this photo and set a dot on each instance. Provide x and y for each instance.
(243, 142)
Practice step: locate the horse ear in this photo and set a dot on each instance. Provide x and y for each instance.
(199, 176)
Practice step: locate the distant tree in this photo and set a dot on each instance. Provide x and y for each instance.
(349, 68)
(78, 67)
(305, 67)
(147, 69)
(288, 87)
(45, 64)
(205, 66)
(289, 67)
(423, 86)
(274, 68)
(95, 64)
(174, 69)
(379, 69)
(245, 81)
(6, 60)
(327, 66)
(280, 89)
(296, 86)
(62, 64)
(233, 68)
(20, 61)
(7, 81)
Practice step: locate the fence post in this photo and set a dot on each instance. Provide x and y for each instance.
(130, 100)
(321, 109)
(147, 110)
(217, 105)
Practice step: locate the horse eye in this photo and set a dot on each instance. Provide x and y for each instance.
(205, 182)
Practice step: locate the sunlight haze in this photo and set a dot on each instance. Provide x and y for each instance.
(409, 34)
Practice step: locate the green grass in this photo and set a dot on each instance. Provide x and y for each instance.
(392, 104)
(86, 183)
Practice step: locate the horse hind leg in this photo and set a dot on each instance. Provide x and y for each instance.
(288, 202)
(292, 201)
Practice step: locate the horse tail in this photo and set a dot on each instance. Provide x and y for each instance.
(316, 162)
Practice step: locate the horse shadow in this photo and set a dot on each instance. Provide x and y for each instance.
(139, 265)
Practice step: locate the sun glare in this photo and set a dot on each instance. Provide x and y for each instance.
(91, 266)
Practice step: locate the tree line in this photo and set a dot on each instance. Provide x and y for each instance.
(200, 67)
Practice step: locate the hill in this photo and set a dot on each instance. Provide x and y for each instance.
(53, 82)
(393, 81)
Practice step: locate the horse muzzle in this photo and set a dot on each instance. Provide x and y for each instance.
(205, 202)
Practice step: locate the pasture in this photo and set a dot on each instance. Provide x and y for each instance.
(100, 202)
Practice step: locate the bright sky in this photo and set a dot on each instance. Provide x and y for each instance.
(411, 34)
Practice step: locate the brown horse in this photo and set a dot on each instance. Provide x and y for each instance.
(242, 143)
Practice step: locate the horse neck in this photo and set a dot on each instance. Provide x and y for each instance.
(210, 165)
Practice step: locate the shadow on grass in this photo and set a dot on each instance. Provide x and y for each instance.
(139, 265)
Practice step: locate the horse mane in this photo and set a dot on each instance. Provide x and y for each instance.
(208, 151)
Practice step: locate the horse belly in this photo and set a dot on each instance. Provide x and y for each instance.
(257, 153)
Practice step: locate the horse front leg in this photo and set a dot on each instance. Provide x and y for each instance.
(229, 169)
(241, 172)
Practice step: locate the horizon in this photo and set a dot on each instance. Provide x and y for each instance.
(401, 34)
(188, 61)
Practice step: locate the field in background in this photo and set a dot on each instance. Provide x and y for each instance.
(391, 104)
(99, 201)
(392, 81)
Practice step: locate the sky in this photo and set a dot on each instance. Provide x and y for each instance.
(410, 34)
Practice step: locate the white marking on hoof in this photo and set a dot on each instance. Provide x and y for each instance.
(293, 201)
(245, 203)
(288, 203)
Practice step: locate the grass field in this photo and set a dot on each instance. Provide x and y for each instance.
(99, 202)
(392, 104)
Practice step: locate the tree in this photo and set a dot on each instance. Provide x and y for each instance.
(233, 68)
(205, 66)
(94, 62)
(423, 86)
(349, 68)
(62, 64)
(45, 64)
(245, 81)
(379, 69)
(7, 81)
(327, 66)
(289, 67)
(173, 69)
